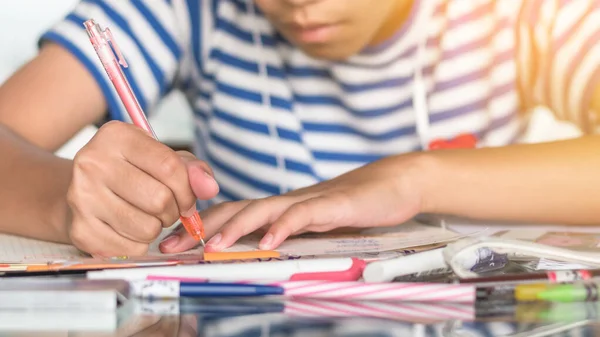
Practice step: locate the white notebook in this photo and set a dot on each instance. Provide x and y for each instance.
(18, 249)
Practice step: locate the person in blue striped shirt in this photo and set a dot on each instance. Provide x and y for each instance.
(310, 115)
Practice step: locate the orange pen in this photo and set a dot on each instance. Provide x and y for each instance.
(106, 47)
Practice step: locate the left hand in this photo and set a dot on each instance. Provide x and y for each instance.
(383, 193)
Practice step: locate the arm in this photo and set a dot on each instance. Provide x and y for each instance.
(544, 183)
(55, 97)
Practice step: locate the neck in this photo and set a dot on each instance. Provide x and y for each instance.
(397, 17)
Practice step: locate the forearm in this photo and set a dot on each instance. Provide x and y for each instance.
(544, 183)
(34, 185)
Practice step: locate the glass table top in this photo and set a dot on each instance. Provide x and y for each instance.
(224, 317)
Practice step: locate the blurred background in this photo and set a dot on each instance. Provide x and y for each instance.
(23, 21)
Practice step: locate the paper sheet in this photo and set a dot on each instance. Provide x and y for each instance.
(373, 240)
(15, 249)
(410, 234)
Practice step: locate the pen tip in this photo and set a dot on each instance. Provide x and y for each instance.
(202, 242)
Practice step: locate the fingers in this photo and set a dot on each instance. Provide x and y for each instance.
(203, 185)
(200, 175)
(213, 219)
(143, 192)
(256, 214)
(316, 214)
(154, 158)
(97, 238)
(134, 224)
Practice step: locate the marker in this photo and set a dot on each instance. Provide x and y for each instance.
(175, 289)
(388, 270)
(331, 269)
(539, 312)
(583, 292)
(106, 47)
(530, 292)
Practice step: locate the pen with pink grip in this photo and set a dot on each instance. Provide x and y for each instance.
(106, 48)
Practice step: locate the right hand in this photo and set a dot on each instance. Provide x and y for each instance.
(127, 186)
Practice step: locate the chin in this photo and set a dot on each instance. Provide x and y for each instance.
(329, 52)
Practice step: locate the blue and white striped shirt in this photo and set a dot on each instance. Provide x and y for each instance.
(307, 120)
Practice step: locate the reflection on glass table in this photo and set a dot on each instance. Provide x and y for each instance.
(269, 318)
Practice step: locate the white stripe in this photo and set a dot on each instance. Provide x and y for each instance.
(147, 36)
(347, 143)
(472, 91)
(570, 50)
(582, 78)
(469, 32)
(568, 16)
(463, 64)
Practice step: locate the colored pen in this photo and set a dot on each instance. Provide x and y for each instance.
(332, 269)
(580, 292)
(174, 289)
(106, 47)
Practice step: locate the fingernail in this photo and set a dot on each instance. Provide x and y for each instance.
(215, 240)
(170, 242)
(265, 243)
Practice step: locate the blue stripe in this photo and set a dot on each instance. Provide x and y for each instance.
(243, 35)
(461, 110)
(261, 157)
(166, 38)
(254, 126)
(310, 72)
(251, 67)
(385, 84)
(276, 102)
(124, 26)
(195, 18)
(307, 72)
(499, 122)
(347, 157)
(239, 175)
(337, 102)
(344, 129)
(114, 106)
(461, 80)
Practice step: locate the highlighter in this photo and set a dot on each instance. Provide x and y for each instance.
(106, 48)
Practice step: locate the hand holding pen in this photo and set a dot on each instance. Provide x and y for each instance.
(126, 185)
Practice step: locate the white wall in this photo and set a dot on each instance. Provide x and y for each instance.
(21, 23)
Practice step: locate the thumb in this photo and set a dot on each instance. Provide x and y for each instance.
(200, 176)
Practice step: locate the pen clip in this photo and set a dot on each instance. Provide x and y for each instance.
(109, 37)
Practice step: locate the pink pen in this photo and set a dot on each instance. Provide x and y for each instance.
(106, 47)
